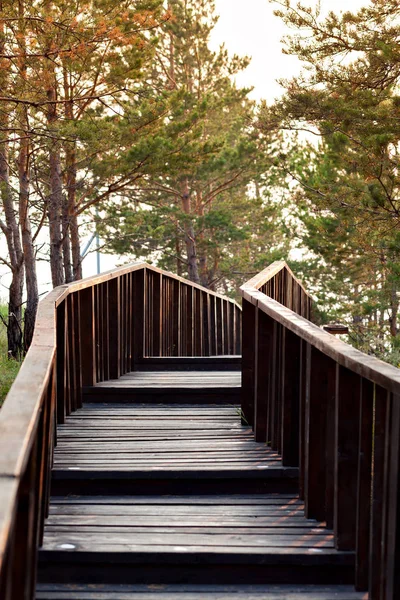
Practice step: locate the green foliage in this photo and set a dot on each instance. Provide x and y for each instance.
(195, 210)
(347, 207)
(9, 367)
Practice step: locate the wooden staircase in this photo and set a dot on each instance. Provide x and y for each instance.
(155, 499)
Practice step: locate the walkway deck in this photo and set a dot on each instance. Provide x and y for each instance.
(165, 494)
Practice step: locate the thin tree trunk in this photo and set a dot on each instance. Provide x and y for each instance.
(70, 155)
(56, 197)
(70, 220)
(178, 255)
(394, 305)
(204, 276)
(76, 248)
(66, 242)
(16, 259)
(190, 240)
(27, 242)
(32, 292)
(11, 231)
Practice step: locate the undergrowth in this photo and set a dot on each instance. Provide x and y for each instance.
(9, 367)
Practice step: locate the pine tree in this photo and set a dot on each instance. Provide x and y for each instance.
(350, 204)
(203, 159)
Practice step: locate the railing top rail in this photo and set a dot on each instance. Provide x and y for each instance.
(364, 365)
(267, 274)
(129, 268)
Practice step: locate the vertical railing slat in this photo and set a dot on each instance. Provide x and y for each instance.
(346, 457)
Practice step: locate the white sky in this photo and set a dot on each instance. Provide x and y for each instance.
(247, 27)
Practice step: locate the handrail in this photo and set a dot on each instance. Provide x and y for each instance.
(89, 331)
(334, 412)
(279, 282)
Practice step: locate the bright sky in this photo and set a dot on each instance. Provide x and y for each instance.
(249, 27)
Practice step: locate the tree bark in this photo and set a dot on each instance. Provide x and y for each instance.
(70, 156)
(56, 196)
(190, 239)
(27, 241)
(66, 242)
(32, 292)
(10, 226)
(394, 305)
(70, 219)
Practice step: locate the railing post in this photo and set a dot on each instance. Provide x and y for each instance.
(138, 320)
(346, 457)
(73, 402)
(114, 307)
(189, 320)
(320, 390)
(364, 482)
(273, 366)
(248, 361)
(393, 536)
(264, 374)
(302, 417)
(219, 320)
(291, 345)
(86, 319)
(176, 315)
(213, 329)
(381, 438)
(61, 375)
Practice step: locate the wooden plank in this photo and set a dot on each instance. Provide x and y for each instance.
(346, 460)
(264, 354)
(138, 317)
(61, 376)
(195, 592)
(320, 388)
(87, 336)
(290, 399)
(364, 482)
(392, 571)
(380, 433)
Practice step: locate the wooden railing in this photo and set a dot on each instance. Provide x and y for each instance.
(89, 331)
(335, 413)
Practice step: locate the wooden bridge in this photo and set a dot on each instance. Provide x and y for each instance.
(142, 458)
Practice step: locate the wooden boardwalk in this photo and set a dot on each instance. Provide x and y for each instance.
(164, 494)
(163, 442)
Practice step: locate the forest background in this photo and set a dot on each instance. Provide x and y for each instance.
(120, 118)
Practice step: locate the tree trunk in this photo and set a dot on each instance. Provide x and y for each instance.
(394, 305)
(66, 243)
(178, 255)
(56, 197)
(70, 219)
(27, 241)
(190, 240)
(16, 259)
(10, 228)
(70, 156)
(76, 248)
(204, 276)
(32, 292)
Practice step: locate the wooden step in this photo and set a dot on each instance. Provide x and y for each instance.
(169, 387)
(196, 592)
(196, 363)
(260, 538)
(136, 449)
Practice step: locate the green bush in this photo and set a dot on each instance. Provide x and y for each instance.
(9, 367)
